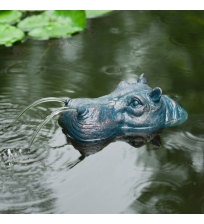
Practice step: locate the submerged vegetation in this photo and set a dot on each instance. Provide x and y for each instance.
(43, 25)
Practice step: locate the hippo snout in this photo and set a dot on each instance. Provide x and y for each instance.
(92, 121)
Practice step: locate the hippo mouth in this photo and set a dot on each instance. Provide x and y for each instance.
(175, 114)
(87, 125)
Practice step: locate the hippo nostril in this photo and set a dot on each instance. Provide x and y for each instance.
(66, 102)
(81, 111)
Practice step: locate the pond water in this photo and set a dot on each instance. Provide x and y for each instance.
(168, 46)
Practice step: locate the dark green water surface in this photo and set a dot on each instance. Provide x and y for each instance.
(168, 46)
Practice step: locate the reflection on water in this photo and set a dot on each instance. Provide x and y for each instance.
(168, 46)
(137, 140)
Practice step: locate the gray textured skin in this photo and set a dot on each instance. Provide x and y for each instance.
(130, 109)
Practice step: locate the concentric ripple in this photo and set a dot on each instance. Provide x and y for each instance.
(158, 196)
(23, 172)
(168, 204)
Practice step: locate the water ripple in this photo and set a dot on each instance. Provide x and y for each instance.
(24, 171)
(194, 131)
(111, 70)
(158, 195)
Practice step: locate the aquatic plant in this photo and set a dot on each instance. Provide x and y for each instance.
(10, 16)
(10, 34)
(44, 25)
(56, 23)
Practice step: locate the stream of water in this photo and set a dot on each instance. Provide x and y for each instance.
(168, 46)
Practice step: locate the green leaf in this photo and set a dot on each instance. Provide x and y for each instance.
(78, 17)
(56, 23)
(96, 13)
(10, 34)
(32, 22)
(10, 16)
(52, 30)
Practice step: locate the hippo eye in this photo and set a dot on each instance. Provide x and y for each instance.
(135, 103)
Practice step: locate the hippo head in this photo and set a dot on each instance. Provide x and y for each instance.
(130, 109)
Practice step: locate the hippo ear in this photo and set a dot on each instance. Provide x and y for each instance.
(142, 79)
(156, 94)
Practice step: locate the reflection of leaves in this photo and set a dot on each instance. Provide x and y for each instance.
(10, 34)
(96, 13)
(54, 23)
(10, 16)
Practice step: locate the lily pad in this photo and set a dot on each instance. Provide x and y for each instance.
(52, 30)
(32, 22)
(10, 34)
(78, 17)
(96, 13)
(10, 16)
(56, 23)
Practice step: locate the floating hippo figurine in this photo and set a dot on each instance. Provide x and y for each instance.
(130, 109)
